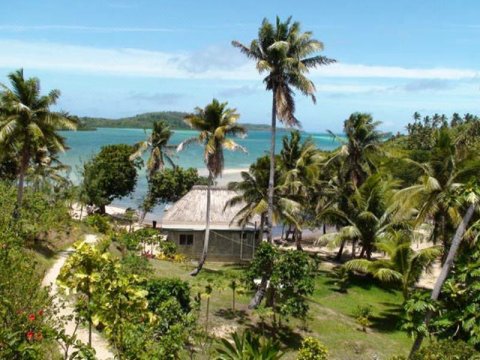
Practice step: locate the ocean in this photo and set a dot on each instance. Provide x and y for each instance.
(85, 144)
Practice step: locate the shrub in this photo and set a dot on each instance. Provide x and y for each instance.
(129, 241)
(99, 223)
(362, 314)
(161, 290)
(248, 346)
(312, 349)
(447, 350)
(168, 248)
(137, 265)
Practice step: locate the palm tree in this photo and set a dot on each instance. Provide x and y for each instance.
(368, 217)
(285, 53)
(299, 166)
(404, 265)
(471, 195)
(27, 124)
(157, 142)
(434, 196)
(360, 147)
(253, 191)
(215, 122)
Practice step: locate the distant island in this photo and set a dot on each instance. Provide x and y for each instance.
(146, 120)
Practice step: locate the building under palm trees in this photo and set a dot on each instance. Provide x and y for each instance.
(184, 224)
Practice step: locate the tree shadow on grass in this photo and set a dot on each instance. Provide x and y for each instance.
(389, 319)
(240, 316)
(287, 337)
(44, 249)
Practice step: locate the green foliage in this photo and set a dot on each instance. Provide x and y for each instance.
(170, 185)
(110, 175)
(293, 280)
(248, 346)
(161, 290)
(362, 314)
(447, 350)
(291, 275)
(28, 126)
(140, 121)
(312, 349)
(137, 265)
(216, 124)
(263, 262)
(25, 308)
(167, 248)
(99, 222)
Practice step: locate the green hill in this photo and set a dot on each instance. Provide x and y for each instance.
(146, 120)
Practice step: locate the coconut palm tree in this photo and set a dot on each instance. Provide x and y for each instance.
(299, 166)
(470, 195)
(215, 123)
(403, 266)
(27, 124)
(286, 55)
(157, 142)
(434, 196)
(253, 192)
(369, 216)
(359, 148)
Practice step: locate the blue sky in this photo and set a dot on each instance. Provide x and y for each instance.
(116, 58)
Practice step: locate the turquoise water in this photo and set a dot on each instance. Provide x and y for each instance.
(84, 144)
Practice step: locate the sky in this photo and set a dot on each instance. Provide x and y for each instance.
(115, 58)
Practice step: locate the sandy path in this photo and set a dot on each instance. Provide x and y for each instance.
(98, 342)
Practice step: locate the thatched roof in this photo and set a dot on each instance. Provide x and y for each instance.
(190, 211)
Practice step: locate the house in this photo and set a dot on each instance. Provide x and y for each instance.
(184, 223)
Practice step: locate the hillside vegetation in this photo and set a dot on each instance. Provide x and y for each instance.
(146, 120)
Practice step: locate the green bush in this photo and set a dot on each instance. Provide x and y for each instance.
(128, 241)
(99, 223)
(137, 265)
(168, 248)
(362, 314)
(447, 350)
(162, 290)
(312, 349)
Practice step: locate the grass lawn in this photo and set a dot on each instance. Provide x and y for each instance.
(331, 313)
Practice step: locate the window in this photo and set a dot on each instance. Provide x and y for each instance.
(186, 239)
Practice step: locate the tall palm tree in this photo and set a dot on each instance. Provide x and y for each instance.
(157, 142)
(27, 124)
(403, 266)
(215, 123)
(286, 54)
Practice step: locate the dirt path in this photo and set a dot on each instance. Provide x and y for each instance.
(98, 342)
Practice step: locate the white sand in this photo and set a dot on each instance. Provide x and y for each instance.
(98, 342)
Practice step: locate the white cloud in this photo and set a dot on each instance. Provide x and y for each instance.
(137, 62)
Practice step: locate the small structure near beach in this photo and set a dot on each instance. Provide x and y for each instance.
(184, 223)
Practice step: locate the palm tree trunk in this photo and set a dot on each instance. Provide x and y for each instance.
(271, 179)
(298, 239)
(452, 252)
(262, 226)
(338, 257)
(207, 229)
(21, 183)
(259, 294)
